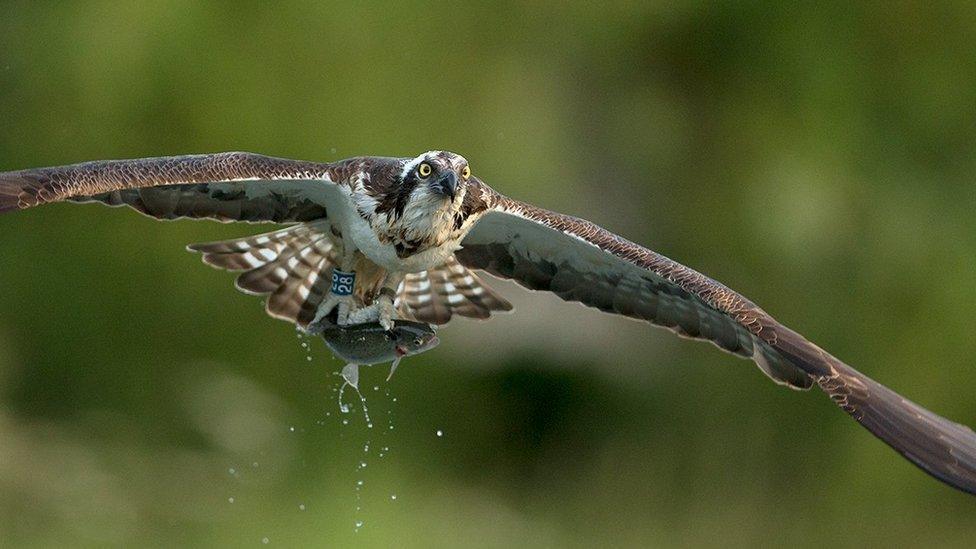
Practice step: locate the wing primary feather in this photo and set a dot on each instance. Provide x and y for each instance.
(233, 186)
(579, 261)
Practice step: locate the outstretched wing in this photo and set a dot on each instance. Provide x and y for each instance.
(223, 186)
(579, 261)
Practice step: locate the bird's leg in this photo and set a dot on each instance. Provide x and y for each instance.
(340, 296)
(382, 309)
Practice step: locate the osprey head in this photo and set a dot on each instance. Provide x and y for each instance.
(420, 207)
(437, 176)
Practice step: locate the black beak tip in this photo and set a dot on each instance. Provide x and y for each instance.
(447, 185)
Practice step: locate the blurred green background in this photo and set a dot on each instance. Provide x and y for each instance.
(819, 160)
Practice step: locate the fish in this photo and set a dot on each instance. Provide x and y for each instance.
(369, 343)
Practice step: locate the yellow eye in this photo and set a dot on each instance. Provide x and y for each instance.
(466, 172)
(424, 169)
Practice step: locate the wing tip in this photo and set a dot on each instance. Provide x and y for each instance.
(941, 447)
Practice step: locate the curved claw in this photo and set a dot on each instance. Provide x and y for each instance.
(381, 310)
(344, 304)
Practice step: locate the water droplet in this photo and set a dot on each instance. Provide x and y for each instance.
(301, 506)
(255, 464)
(292, 429)
(232, 471)
(376, 387)
(359, 524)
(345, 422)
(359, 483)
(362, 464)
(230, 500)
(265, 541)
(440, 433)
(393, 497)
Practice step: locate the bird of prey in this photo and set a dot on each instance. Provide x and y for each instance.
(376, 238)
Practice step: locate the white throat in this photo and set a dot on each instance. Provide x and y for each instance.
(426, 217)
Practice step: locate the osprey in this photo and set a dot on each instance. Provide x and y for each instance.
(377, 239)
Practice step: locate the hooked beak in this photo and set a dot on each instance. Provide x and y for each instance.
(446, 185)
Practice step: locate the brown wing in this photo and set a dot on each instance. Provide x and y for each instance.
(223, 186)
(579, 261)
(436, 295)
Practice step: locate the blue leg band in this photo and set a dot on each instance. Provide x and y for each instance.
(342, 282)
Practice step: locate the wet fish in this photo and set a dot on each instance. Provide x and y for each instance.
(365, 344)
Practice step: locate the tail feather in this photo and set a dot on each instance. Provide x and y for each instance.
(264, 279)
(437, 295)
(291, 266)
(290, 298)
(318, 287)
(244, 254)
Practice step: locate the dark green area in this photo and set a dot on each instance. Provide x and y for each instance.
(818, 158)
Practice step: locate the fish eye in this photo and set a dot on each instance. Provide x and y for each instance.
(466, 172)
(424, 169)
(418, 342)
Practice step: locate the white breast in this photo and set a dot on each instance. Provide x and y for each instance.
(364, 238)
